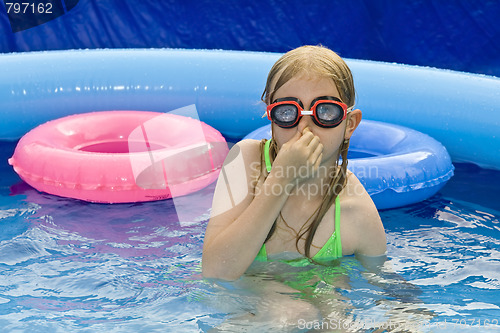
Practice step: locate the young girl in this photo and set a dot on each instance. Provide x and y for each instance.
(292, 197)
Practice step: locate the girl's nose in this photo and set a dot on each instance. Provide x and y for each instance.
(305, 121)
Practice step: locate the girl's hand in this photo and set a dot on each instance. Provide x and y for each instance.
(299, 158)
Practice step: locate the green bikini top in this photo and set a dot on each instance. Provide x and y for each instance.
(333, 246)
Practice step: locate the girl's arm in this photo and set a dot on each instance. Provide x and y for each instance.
(243, 213)
(366, 229)
(240, 219)
(372, 241)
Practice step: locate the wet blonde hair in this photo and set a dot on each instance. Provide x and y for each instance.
(313, 61)
(316, 62)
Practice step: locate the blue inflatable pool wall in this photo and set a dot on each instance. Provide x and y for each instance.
(460, 110)
(460, 35)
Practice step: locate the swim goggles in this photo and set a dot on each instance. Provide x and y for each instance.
(326, 111)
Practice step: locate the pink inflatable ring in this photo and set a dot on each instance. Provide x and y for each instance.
(120, 156)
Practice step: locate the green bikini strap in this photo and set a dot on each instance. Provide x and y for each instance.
(267, 158)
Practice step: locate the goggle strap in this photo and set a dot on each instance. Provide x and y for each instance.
(267, 158)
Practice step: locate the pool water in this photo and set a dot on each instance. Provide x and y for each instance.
(69, 266)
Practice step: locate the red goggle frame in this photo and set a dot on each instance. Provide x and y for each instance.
(333, 103)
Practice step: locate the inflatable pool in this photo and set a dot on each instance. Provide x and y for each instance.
(120, 156)
(70, 265)
(397, 166)
(459, 110)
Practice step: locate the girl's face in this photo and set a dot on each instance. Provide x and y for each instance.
(307, 89)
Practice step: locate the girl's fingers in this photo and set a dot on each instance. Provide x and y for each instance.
(318, 162)
(307, 137)
(295, 138)
(316, 154)
(314, 143)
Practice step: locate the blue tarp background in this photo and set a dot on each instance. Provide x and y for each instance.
(457, 34)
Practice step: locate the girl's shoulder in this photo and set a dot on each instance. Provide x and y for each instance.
(237, 178)
(249, 146)
(248, 150)
(363, 217)
(353, 187)
(245, 154)
(356, 198)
